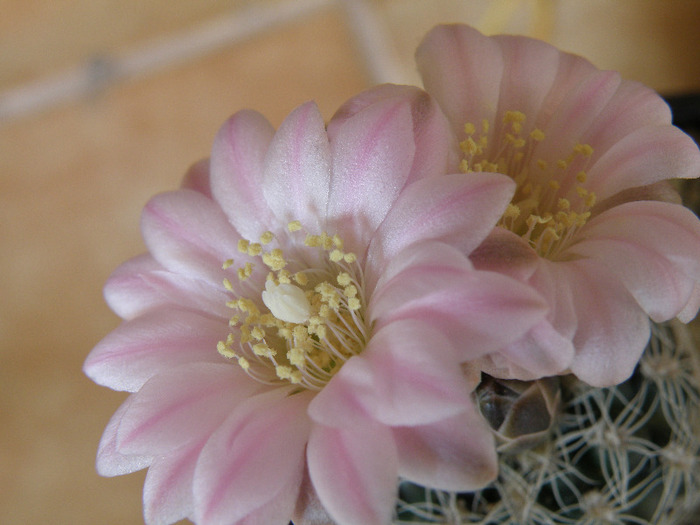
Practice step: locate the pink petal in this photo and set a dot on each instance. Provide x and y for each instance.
(459, 209)
(531, 67)
(546, 349)
(309, 510)
(572, 71)
(462, 69)
(660, 191)
(141, 285)
(340, 403)
(110, 462)
(632, 107)
(426, 256)
(188, 234)
(576, 113)
(469, 308)
(612, 329)
(372, 156)
(252, 458)
(432, 136)
(551, 282)
(237, 160)
(197, 178)
(408, 375)
(126, 292)
(690, 310)
(354, 472)
(167, 491)
(645, 156)
(542, 352)
(143, 347)
(297, 169)
(456, 454)
(180, 406)
(653, 248)
(658, 287)
(280, 508)
(507, 253)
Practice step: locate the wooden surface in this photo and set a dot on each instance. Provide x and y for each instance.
(74, 177)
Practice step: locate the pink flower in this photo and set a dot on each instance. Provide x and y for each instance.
(593, 225)
(300, 319)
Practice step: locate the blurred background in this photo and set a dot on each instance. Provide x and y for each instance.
(104, 103)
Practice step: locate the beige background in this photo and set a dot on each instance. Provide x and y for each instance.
(104, 103)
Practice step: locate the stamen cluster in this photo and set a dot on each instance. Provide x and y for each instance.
(315, 315)
(547, 207)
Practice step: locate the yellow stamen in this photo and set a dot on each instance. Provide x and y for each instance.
(313, 319)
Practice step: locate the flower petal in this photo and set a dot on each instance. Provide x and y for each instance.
(143, 347)
(632, 107)
(642, 157)
(297, 169)
(188, 234)
(376, 141)
(462, 69)
(408, 375)
(659, 264)
(507, 253)
(279, 508)
(167, 491)
(542, 352)
(252, 458)
(355, 476)
(433, 139)
(690, 310)
(237, 161)
(141, 285)
(456, 454)
(459, 209)
(470, 307)
(126, 292)
(180, 406)
(612, 329)
(532, 68)
(576, 113)
(111, 462)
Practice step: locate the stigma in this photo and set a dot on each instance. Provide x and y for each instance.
(551, 201)
(286, 302)
(306, 321)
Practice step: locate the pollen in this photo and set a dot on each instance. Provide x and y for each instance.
(551, 200)
(245, 272)
(299, 324)
(274, 259)
(254, 249)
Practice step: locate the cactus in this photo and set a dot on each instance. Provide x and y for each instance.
(574, 454)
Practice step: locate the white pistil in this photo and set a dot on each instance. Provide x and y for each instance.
(286, 302)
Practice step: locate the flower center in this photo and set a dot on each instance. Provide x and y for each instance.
(309, 318)
(551, 202)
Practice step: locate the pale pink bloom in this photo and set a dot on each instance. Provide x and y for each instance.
(593, 225)
(300, 319)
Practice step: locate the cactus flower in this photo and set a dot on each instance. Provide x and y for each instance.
(292, 339)
(593, 225)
